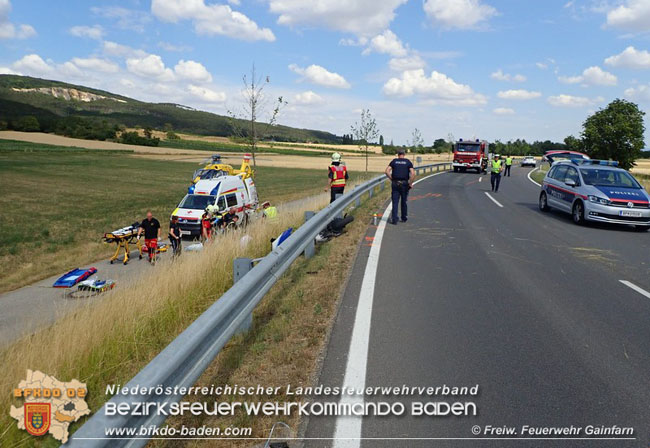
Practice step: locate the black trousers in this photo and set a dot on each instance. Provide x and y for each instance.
(399, 192)
(176, 245)
(495, 180)
(334, 191)
(507, 171)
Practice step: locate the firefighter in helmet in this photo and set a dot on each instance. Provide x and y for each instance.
(338, 175)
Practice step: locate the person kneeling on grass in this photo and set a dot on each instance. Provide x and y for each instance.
(151, 228)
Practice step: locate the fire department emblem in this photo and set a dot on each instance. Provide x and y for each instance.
(37, 418)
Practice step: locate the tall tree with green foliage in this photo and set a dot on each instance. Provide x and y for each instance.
(615, 132)
(573, 144)
(365, 132)
(381, 140)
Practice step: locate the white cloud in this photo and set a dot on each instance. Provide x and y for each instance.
(92, 32)
(33, 64)
(96, 64)
(386, 43)
(151, 66)
(541, 65)
(206, 95)
(412, 62)
(573, 101)
(316, 74)
(360, 17)
(122, 51)
(462, 14)
(193, 71)
(503, 111)
(640, 93)
(126, 19)
(500, 76)
(632, 15)
(630, 58)
(308, 98)
(8, 71)
(171, 47)
(518, 94)
(592, 76)
(211, 19)
(438, 88)
(9, 30)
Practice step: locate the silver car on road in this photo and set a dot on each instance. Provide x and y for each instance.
(596, 190)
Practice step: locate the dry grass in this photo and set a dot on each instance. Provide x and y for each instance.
(111, 340)
(287, 338)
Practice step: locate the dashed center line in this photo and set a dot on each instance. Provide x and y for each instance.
(638, 289)
(493, 200)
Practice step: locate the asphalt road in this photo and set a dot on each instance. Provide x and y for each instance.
(524, 304)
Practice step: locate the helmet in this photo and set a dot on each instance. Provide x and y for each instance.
(336, 157)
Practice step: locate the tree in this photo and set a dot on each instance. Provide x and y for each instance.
(615, 132)
(365, 131)
(381, 140)
(254, 105)
(573, 144)
(417, 141)
(28, 123)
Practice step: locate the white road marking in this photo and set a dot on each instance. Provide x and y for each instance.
(531, 179)
(493, 200)
(480, 178)
(638, 289)
(348, 428)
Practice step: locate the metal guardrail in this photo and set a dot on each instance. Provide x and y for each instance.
(183, 361)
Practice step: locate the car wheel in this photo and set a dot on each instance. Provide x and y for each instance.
(641, 228)
(543, 202)
(455, 169)
(578, 213)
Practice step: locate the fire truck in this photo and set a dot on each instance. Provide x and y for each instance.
(470, 154)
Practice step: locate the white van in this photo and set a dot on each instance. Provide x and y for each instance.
(226, 192)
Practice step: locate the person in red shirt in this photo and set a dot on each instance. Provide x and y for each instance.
(206, 226)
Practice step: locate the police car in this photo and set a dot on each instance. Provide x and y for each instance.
(595, 190)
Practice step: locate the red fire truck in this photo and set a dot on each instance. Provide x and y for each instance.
(470, 154)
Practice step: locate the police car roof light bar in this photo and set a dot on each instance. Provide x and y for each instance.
(595, 162)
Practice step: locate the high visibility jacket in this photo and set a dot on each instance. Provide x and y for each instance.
(338, 175)
(496, 166)
(508, 161)
(271, 212)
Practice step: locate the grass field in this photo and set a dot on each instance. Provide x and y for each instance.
(56, 203)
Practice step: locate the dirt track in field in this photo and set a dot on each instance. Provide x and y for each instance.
(353, 162)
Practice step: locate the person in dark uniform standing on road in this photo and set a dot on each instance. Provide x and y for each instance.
(508, 166)
(496, 167)
(338, 176)
(401, 173)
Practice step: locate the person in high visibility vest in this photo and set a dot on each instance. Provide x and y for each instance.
(508, 166)
(496, 167)
(338, 176)
(269, 211)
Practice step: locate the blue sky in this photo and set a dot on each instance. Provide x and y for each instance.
(488, 69)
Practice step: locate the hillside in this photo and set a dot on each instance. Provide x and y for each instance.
(85, 112)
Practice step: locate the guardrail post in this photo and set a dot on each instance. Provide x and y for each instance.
(371, 192)
(241, 267)
(357, 202)
(310, 250)
(383, 186)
